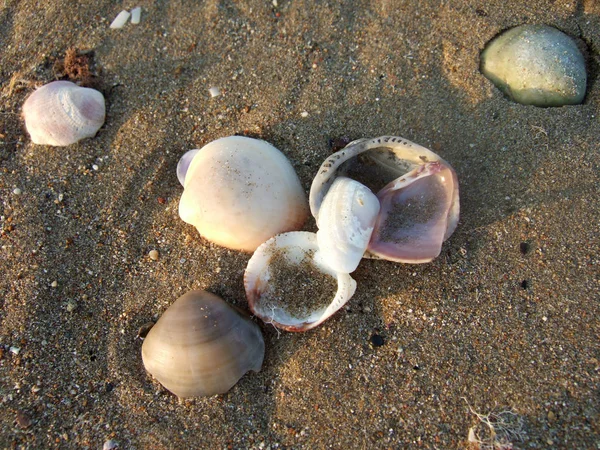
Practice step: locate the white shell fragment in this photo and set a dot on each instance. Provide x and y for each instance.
(290, 285)
(214, 92)
(136, 15)
(120, 20)
(239, 192)
(346, 220)
(201, 346)
(536, 65)
(62, 113)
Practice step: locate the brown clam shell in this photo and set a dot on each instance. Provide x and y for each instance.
(201, 346)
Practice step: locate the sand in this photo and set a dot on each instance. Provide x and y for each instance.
(506, 319)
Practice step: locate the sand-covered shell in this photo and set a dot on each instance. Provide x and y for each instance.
(346, 221)
(62, 113)
(417, 191)
(239, 192)
(536, 65)
(201, 346)
(290, 285)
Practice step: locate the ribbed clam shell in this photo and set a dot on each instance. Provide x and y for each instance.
(289, 284)
(62, 113)
(346, 220)
(417, 189)
(239, 192)
(201, 346)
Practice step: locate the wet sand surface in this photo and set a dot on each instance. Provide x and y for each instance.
(506, 319)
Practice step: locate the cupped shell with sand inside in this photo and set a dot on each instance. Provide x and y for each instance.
(239, 192)
(62, 113)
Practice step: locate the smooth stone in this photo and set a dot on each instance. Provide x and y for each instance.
(536, 65)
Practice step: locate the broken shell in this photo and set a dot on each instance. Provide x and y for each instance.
(201, 346)
(239, 192)
(417, 190)
(62, 113)
(290, 285)
(346, 220)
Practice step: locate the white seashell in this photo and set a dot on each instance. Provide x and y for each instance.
(239, 192)
(290, 285)
(136, 15)
(120, 20)
(62, 113)
(346, 220)
(417, 190)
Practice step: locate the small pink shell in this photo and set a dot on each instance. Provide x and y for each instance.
(62, 113)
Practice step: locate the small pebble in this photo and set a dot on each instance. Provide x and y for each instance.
(71, 305)
(376, 340)
(154, 255)
(17, 191)
(15, 350)
(214, 92)
(524, 247)
(304, 114)
(110, 445)
(54, 284)
(23, 421)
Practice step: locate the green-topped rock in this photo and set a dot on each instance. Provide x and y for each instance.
(536, 65)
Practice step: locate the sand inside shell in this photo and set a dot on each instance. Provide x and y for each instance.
(299, 288)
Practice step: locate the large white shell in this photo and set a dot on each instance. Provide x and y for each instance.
(417, 190)
(239, 192)
(62, 113)
(283, 275)
(346, 220)
(201, 346)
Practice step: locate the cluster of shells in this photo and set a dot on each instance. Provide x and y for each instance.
(385, 198)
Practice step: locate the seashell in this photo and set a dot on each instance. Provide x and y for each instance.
(239, 192)
(201, 346)
(289, 284)
(62, 113)
(417, 191)
(536, 65)
(346, 220)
